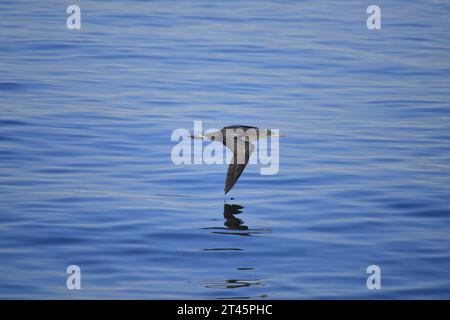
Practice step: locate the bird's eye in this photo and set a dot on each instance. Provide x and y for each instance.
(213, 138)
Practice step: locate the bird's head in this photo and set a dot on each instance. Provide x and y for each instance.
(200, 137)
(212, 135)
(270, 133)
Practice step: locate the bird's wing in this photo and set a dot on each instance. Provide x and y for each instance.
(241, 155)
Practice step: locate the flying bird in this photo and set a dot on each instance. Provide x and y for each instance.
(238, 139)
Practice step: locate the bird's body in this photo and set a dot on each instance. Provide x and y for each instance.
(238, 139)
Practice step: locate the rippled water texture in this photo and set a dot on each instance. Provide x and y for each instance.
(86, 176)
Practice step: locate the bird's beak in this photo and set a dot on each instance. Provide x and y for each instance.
(278, 135)
(197, 137)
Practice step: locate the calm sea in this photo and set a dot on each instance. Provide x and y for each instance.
(86, 176)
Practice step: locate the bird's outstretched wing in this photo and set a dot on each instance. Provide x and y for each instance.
(241, 154)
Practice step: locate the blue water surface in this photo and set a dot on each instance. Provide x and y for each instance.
(86, 175)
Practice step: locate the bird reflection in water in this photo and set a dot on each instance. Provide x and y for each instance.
(234, 283)
(235, 224)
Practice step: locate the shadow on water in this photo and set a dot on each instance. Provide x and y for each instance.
(235, 224)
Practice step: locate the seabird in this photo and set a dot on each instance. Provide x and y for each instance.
(238, 139)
